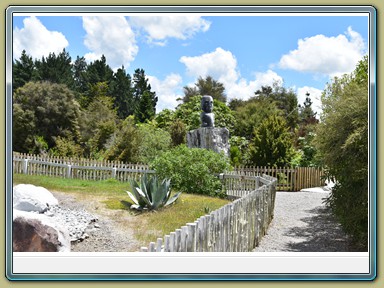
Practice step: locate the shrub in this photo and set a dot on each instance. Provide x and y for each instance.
(192, 170)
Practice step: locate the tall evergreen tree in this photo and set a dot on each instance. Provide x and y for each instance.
(272, 144)
(23, 70)
(79, 75)
(56, 69)
(145, 99)
(99, 71)
(122, 92)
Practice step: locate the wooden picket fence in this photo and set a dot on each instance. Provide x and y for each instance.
(235, 227)
(288, 179)
(78, 168)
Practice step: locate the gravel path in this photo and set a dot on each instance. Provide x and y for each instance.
(302, 223)
(104, 234)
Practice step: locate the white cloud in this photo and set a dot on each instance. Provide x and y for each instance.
(159, 28)
(315, 95)
(222, 66)
(111, 36)
(330, 56)
(244, 89)
(166, 91)
(36, 39)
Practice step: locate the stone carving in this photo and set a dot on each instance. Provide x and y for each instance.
(207, 117)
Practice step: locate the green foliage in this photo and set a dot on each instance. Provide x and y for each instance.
(124, 144)
(251, 114)
(189, 114)
(207, 86)
(145, 99)
(192, 170)
(55, 69)
(152, 142)
(272, 144)
(178, 133)
(122, 92)
(308, 151)
(239, 150)
(43, 109)
(23, 70)
(99, 122)
(342, 141)
(151, 193)
(66, 147)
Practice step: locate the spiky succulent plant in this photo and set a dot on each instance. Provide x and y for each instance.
(151, 193)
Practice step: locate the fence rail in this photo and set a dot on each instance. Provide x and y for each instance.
(235, 227)
(288, 179)
(85, 169)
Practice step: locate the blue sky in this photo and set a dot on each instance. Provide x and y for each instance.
(242, 52)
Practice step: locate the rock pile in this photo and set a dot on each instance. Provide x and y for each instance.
(41, 225)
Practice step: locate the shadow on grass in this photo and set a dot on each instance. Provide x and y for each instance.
(322, 233)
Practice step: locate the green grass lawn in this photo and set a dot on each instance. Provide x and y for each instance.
(148, 226)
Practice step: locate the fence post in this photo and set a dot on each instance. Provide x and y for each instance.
(114, 169)
(25, 166)
(69, 170)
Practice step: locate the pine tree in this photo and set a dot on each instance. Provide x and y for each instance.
(23, 70)
(272, 144)
(145, 100)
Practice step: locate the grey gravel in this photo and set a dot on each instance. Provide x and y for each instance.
(302, 223)
(97, 229)
(77, 221)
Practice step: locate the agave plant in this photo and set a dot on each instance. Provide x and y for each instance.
(151, 193)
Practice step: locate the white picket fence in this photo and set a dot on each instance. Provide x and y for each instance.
(235, 227)
(85, 169)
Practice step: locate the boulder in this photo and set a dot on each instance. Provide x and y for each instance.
(27, 197)
(32, 232)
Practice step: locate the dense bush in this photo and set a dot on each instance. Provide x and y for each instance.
(192, 170)
(342, 141)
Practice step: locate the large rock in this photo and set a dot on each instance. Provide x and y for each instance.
(34, 232)
(216, 139)
(27, 197)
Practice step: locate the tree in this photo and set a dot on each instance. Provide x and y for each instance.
(122, 92)
(285, 99)
(79, 75)
(207, 86)
(96, 72)
(56, 69)
(99, 122)
(45, 110)
(251, 114)
(22, 70)
(342, 141)
(178, 133)
(152, 143)
(124, 145)
(307, 117)
(145, 99)
(272, 144)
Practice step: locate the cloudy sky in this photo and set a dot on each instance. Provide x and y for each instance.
(242, 52)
